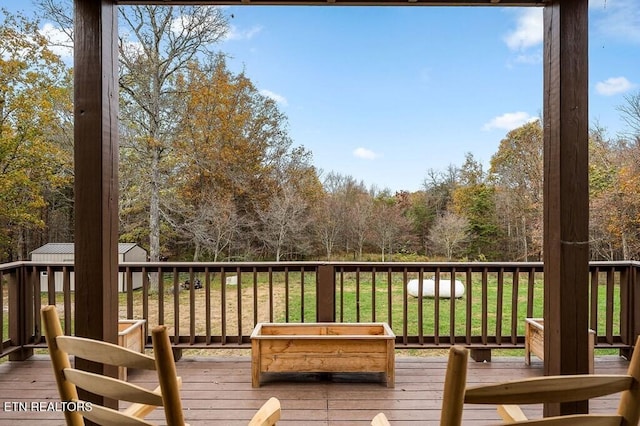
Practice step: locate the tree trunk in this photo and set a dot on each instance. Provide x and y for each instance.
(154, 209)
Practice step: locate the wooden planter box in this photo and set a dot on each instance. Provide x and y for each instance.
(323, 348)
(131, 336)
(534, 341)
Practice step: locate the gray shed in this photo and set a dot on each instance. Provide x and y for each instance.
(64, 252)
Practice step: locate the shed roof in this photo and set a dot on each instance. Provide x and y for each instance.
(69, 248)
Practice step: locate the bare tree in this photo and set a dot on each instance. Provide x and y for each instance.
(210, 226)
(359, 220)
(389, 227)
(631, 113)
(284, 221)
(448, 234)
(156, 43)
(328, 221)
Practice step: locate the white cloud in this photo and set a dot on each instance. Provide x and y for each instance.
(614, 86)
(509, 121)
(619, 19)
(59, 41)
(365, 154)
(235, 33)
(528, 31)
(276, 97)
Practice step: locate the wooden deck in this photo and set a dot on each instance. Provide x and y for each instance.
(217, 391)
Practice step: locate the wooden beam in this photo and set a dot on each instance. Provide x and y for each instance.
(96, 174)
(340, 2)
(566, 195)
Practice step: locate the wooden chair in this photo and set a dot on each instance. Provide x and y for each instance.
(268, 414)
(167, 394)
(541, 390)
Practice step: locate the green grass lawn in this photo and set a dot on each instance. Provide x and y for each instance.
(355, 303)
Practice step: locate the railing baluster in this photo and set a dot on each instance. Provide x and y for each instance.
(192, 307)
(223, 306)
(609, 310)
(625, 313)
(286, 294)
(485, 306)
(499, 300)
(35, 326)
(239, 304)
(51, 286)
(341, 294)
(358, 294)
(452, 307)
(436, 308)
(207, 305)
(595, 287)
(145, 302)
(373, 294)
(405, 308)
(302, 294)
(129, 288)
(515, 291)
(66, 288)
(160, 296)
(176, 305)
(255, 296)
(530, 292)
(389, 297)
(420, 307)
(270, 294)
(469, 316)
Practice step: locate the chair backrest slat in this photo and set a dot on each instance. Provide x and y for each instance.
(548, 389)
(106, 416)
(112, 388)
(105, 353)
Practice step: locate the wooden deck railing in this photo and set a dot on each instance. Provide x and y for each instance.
(236, 296)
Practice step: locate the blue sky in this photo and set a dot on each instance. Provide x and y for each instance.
(385, 93)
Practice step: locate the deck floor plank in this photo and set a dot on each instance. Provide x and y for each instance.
(217, 391)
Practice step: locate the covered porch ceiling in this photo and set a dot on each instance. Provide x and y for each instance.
(566, 199)
(342, 2)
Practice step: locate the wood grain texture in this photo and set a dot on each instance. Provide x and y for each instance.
(566, 195)
(217, 391)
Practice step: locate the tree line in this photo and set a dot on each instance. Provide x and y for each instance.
(208, 170)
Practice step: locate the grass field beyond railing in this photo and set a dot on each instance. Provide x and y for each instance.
(222, 314)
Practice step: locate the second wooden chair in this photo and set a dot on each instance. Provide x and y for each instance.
(547, 389)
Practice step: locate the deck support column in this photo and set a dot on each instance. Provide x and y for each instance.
(566, 195)
(326, 294)
(96, 175)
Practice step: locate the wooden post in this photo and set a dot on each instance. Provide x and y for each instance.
(326, 294)
(566, 196)
(632, 310)
(96, 176)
